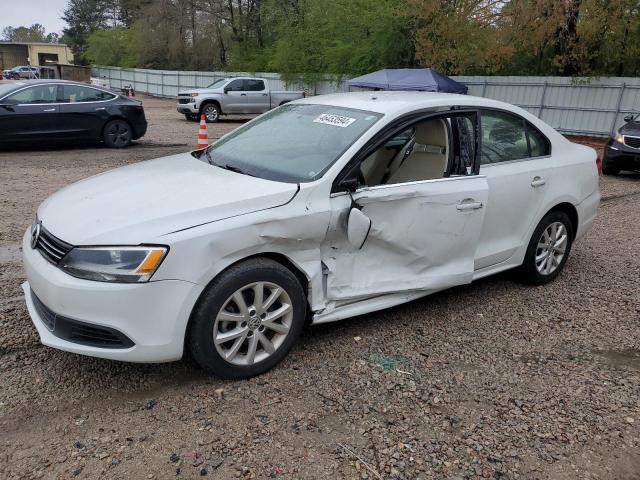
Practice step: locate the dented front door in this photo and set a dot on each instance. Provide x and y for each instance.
(423, 237)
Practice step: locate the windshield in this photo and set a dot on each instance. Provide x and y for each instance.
(218, 83)
(8, 87)
(293, 143)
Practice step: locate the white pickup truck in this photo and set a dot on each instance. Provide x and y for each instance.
(232, 96)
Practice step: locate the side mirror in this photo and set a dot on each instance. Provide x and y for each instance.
(358, 227)
(350, 184)
(226, 90)
(7, 106)
(629, 118)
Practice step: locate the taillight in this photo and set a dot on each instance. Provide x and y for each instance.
(599, 165)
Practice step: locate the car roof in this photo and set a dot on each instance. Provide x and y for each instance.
(387, 102)
(19, 84)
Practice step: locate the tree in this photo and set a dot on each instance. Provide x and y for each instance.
(34, 33)
(459, 37)
(111, 47)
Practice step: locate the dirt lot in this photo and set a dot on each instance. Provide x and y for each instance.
(493, 380)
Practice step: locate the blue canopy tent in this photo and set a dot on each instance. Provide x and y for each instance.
(421, 79)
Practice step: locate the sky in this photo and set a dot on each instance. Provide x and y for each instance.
(18, 13)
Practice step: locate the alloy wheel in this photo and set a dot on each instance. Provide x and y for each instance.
(551, 248)
(119, 133)
(253, 323)
(210, 113)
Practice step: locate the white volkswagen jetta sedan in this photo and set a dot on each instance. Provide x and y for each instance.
(322, 209)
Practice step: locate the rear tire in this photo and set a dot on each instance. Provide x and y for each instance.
(117, 134)
(235, 307)
(548, 249)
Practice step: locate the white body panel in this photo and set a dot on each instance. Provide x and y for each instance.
(210, 218)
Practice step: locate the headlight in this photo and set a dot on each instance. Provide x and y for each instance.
(619, 138)
(114, 264)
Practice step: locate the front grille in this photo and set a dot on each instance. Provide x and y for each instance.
(52, 248)
(80, 332)
(633, 142)
(184, 100)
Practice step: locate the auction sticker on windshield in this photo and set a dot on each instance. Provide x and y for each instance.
(335, 120)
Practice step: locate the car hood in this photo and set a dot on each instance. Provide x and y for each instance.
(631, 128)
(141, 202)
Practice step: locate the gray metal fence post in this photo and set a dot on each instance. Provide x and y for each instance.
(147, 80)
(544, 94)
(618, 105)
(484, 87)
(162, 83)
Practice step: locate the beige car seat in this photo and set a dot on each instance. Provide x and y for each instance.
(429, 157)
(375, 165)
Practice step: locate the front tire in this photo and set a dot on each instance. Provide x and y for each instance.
(608, 169)
(211, 112)
(247, 319)
(117, 134)
(548, 249)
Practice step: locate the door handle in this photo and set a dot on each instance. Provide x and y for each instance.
(49, 110)
(101, 108)
(243, 94)
(468, 204)
(265, 94)
(538, 182)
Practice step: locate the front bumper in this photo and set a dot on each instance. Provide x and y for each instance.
(621, 156)
(152, 315)
(188, 107)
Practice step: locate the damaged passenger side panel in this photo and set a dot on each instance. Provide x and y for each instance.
(423, 237)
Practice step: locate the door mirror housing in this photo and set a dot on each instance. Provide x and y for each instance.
(226, 90)
(629, 118)
(358, 227)
(349, 184)
(7, 106)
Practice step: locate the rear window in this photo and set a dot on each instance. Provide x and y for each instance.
(77, 93)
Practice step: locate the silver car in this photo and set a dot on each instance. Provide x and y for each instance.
(239, 95)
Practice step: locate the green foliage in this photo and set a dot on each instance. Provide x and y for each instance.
(304, 39)
(112, 46)
(34, 33)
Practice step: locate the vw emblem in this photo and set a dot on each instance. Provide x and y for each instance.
(35, 234)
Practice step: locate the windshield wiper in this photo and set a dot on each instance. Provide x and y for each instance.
(231, 168)
(235, 169)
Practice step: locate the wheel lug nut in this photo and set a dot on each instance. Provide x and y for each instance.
(261, 328)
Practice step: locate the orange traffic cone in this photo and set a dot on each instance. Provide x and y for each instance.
(203, 138)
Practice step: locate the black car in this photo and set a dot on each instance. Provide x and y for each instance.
(623, 149)
(58, 110)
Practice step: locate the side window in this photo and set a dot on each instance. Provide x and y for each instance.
(77, 93)
(236, 86)
(34, 95)
(539, 144)
(503, 137)
(431, 149)
(255, 85)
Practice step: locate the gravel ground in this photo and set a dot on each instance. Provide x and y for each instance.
(493, 380)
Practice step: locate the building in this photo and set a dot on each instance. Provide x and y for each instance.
(13, 54)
